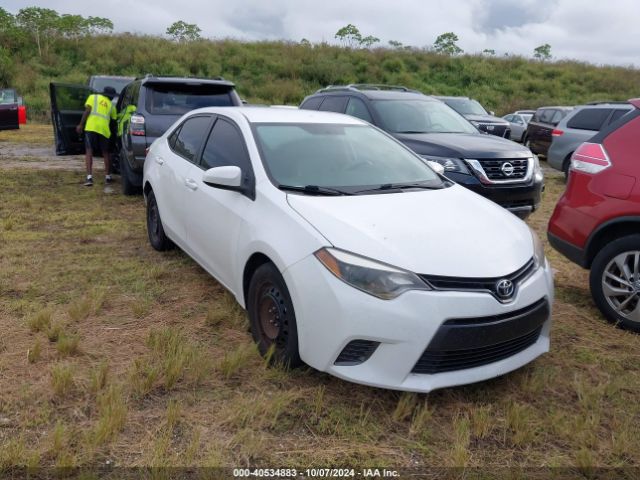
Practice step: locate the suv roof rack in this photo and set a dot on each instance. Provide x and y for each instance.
(151, 75)
(607, 102)
(367, 86)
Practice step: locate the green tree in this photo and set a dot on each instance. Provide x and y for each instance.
(71, 26)
(368, 41)
(305, 42)
(446, 44)
(543, 52)
(489, 51)
(349, 35)
(395, 44)
(99, 25)
(183, 32)
(41, 23)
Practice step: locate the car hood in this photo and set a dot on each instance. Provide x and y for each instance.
(450, 232)
(486, 119)
(463, 145)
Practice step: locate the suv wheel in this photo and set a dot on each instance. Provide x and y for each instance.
(157, 238)
(273, 321)
(565, 167)
(615, 282)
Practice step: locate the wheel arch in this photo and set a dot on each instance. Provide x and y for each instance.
(609, 231)
(256, 260)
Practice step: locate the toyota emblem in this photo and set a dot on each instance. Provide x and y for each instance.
(507, 169)
(505, 289)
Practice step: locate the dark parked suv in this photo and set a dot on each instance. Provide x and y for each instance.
(498, 169)
(474, 112)
(541, 128)
(147, 107)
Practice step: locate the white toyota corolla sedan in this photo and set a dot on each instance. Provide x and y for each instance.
(349, 252)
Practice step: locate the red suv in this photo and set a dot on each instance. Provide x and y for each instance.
(596, 222)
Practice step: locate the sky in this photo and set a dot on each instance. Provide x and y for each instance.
(595, 31)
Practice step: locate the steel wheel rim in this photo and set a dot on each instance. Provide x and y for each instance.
(271, 312)
(621, 284)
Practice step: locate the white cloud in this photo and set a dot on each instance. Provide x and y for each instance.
(588, 30)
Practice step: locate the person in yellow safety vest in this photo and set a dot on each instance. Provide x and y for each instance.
(95, 121)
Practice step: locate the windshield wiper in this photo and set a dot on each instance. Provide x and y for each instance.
(413, 131)
(401, 186)
(314, 190)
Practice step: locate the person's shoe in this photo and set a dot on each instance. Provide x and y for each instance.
(108, 180)
(89, 182)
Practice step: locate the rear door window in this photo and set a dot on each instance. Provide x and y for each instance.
(312, 103)
(334, 104)
(589, 119)
(188, 140)
(180, 98)
(357, 108)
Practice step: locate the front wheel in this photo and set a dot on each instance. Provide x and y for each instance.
(273, 321)
(615, 282)
(157, 238)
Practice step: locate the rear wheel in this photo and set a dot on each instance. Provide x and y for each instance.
(565, 167)
(157, 238)
(615, 282)
(273, 321)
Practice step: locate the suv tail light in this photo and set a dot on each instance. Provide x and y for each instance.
(136, 125)
(556, 133)
(590, 158)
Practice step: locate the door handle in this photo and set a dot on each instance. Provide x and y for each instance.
(159, 160)
(191, 184)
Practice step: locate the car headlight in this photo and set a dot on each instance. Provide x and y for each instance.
(474, 123)
(375, 278)
(538, 250)
(449, 164)
(537, 170)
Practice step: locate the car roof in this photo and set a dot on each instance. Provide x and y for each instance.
(186, 80)
(621, 106)
(282, 115)
(521, 112)
(374, 94)
(451, 97)
(558, 107)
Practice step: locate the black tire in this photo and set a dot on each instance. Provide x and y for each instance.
(126, 178)
(157, 238)
(272, 319)
(565, 167)
(618, 309)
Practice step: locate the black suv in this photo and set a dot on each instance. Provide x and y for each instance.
(147, 107)
(473, 111)
(494, 167)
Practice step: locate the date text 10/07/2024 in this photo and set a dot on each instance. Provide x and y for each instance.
(314, 473)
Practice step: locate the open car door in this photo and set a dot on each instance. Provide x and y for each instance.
(9, 109)
(67, 106)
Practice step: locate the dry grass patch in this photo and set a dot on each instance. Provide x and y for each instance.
(179, 381)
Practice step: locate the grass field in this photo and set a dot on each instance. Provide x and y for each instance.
(113, 352)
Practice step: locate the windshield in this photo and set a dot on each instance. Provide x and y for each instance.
(420, 116)
(98, 84)
(177, 99)
(465, 106)
(348, 157)
(527, 117)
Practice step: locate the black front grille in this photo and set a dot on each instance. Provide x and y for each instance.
(449, 360)
(356, 352)
(487, 285)
(505, 168)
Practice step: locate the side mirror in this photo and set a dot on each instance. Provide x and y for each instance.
(436, 166)
(226, 178)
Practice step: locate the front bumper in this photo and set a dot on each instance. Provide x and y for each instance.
(519, 198)
(331, 314)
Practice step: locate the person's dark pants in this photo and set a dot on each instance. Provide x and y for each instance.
(96, 143)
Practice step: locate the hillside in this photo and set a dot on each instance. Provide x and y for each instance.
(284, 72)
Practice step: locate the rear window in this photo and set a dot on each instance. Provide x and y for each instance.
(589, 119)
(178, 99)
(8, 95)
(617, 114)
